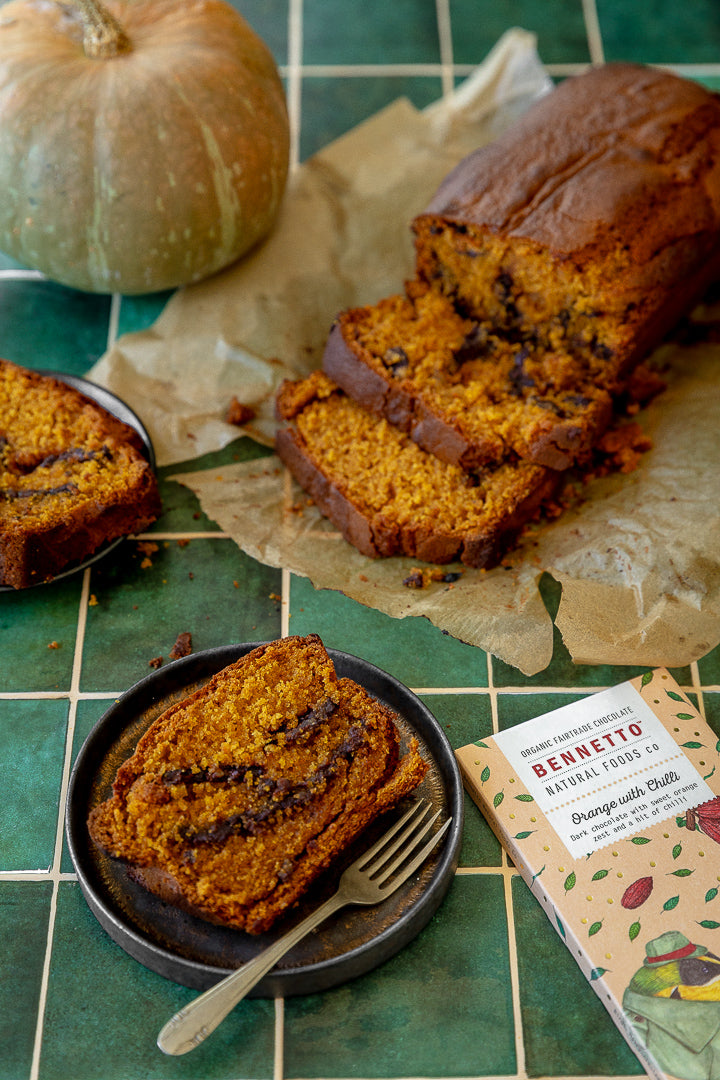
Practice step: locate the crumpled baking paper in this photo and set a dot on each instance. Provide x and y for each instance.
(638, 558)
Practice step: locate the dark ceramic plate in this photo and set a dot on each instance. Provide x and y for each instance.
(119, 409)
(197, 953)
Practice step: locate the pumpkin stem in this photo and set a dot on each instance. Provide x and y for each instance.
(103, 36)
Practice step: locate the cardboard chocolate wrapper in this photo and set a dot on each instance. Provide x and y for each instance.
(638, 559)
(610, 810)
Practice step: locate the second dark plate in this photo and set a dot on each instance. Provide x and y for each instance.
(196, 953)
(119, 409)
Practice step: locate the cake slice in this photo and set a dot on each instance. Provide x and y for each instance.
(386, 495)
(72, 477)
(238, 797)
(592, 224)
(469, 396)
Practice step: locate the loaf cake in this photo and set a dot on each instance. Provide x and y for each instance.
(239, 796)
(547, 264)
(466, 394)
(592, 224)
(72, 477)
(386, 495)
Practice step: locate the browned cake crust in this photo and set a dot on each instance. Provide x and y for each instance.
(594, 220)
(238, 797)
(72, 477)
(463, 393)
(387, 496)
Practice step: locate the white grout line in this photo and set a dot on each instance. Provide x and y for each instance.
(114, 321)
(446, 46)
(55, 874)
(592, 29)
(279, 1062)
(294, 74)
(285, 604)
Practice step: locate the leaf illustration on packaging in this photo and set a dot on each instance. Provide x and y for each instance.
(708, 775)
(596, 926)
(524, 797)
(677, 850)
(560, 926)
(671, 903)
(523, 835)
(709, 924)
(597, 973)
(485, 775)
(647, 678)
(681, 873)
(710, 895)
(538, 873)
(570, 881)
(481, 744)
(692, 745)
(684, 716)
(599, 875)
(634, 931)
(639, 840)
(498, 799)
(674, 696)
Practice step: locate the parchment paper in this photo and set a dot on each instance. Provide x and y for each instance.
(638, 559)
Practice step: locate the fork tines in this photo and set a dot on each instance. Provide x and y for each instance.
(404, 838)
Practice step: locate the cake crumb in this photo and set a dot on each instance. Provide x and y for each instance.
(53, 645)
(238, 413)
(420, 578)
(156, 662)
(182, 646)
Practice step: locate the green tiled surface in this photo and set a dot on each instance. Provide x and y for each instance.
(487, 988)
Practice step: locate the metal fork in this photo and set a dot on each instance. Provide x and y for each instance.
(366, 881)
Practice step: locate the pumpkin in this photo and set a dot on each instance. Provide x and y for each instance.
(143, 144)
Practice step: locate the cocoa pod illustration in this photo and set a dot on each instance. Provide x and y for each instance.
(637, 893)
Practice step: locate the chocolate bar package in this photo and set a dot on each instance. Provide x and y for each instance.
(610, 809)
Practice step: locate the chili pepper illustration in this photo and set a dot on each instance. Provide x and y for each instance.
(706, 818)
(637, 893)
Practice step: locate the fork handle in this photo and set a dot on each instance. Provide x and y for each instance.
(193, 1023)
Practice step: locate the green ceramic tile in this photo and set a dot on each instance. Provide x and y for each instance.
(104, 1011)
(140, 312)
(143, 598)
(465, 718)
(24, 912)
(87, 715)
(269, 19)
(44, 325)
(566, 1030)
(38, 629)
(712, 711)
(6, 263)
(412, 649)
(709, 667)
(440, 1007)
(181, 509)
(332, 106)
(517, 708)
(32, 737)
(558, 24)
(660, 31)
(335, 32)
(712, 82)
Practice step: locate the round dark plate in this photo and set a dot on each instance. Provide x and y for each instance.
(196, 953)
(119, 409)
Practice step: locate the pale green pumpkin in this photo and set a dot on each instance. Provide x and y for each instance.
(143, 144)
